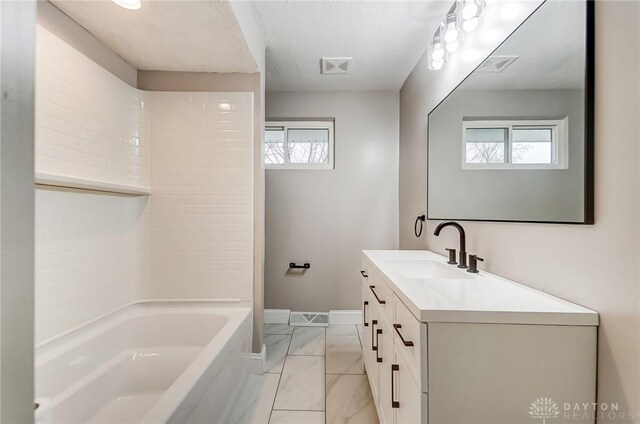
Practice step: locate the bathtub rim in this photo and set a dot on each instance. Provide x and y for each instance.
(240, 313)
(141, 302)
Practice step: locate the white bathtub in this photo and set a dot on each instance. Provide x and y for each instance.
(151, 362)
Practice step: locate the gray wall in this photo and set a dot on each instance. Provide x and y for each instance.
(327, 217)
(597, 266)
(17, 56)
(522, 195)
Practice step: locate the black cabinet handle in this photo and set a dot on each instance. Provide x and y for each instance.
(397, 327)
(394, 403)
(364, 312)
(378, 332)
(294, 265)
(382, 302)
(374, 322)
(364, 274)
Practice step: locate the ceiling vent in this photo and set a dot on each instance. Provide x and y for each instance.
(335, 65)
(496, 64)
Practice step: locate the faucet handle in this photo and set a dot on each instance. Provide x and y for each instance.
(473, 263)
(452, 256)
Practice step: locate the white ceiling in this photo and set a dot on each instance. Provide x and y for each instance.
(550, 46)
(196, 35)
(385, 39)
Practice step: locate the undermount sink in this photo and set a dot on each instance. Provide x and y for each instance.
(427, 269)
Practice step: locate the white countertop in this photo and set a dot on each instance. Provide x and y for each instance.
(476, 298)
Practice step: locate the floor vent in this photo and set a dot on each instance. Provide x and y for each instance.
(309, 319)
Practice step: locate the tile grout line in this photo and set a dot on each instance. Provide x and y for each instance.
(325, 373)
(284, 361)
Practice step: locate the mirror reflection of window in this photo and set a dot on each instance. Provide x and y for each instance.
(533, 145)
(515, 144)
(486, 145)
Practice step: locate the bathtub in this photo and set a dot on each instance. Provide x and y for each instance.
(149, 362)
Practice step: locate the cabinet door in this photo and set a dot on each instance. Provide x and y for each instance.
(409, 403)
(384, 359)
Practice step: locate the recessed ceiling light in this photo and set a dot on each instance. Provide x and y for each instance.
(128, 4)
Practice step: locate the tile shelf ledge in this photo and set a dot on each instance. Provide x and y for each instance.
(58, 180)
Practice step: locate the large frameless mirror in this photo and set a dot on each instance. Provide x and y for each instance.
(514, 141)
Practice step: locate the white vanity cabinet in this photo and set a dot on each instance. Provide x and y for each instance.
(391, 366)
(469, 349)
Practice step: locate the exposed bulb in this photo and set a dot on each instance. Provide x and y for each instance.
(438, 53)
(453, 46)
(469, 10)
(438, 49)
(451, 34)
(128, 4)
(437, 64)
(470, 24)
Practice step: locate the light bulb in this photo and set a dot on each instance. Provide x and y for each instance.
(437, 64)
(470, 24)
(453, 46)
(451, 34)
(128, 4)
(469, 10)
(438, 53)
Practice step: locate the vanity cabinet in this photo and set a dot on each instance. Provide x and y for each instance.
(392, 359)
(425, 366)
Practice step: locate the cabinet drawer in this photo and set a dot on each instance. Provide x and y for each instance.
(381, 295)
(410, 338)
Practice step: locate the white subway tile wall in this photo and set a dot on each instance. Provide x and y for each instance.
(89, 123)
(91, 248)
(202, 202)
(91, 256)
(193, 238)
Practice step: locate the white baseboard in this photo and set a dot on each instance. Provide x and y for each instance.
(258, 360)
(276, 316)
(345, 317)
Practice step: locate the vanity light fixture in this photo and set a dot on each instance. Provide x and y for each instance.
(436, 52)
(451, 32)
(128, 4)
(464, 16)
(471, 13)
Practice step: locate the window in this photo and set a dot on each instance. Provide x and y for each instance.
(298, 145)
(515, 144)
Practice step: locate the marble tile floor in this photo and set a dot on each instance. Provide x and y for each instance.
(312, 375)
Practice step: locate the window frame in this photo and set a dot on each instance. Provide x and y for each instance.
(320, 124)
(559, 153)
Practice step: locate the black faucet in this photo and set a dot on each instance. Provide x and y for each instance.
(462, 262)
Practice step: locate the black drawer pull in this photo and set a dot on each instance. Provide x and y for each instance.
(378, 332)
(364, 274)
(364, 312)
(397, 327)
(382, 302)
(394, 403)
(374, 322)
